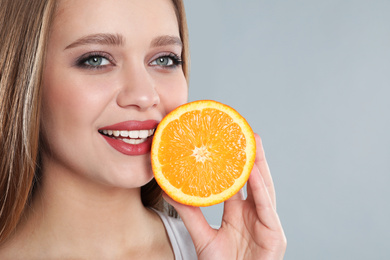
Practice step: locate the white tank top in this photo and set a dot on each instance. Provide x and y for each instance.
(182, 245)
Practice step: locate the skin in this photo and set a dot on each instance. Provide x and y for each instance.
(88, 205)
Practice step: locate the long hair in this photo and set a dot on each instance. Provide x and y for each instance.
(24, 32)
(23, 36)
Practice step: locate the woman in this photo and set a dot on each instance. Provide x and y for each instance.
(71, 72)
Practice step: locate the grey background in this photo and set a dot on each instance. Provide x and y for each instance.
(312, 78)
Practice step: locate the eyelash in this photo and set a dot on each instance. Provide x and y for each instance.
(81, 61)
(176, 60)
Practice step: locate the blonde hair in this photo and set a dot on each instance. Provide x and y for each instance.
(24, 32)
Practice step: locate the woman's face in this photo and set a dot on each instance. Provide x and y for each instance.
(112, 67)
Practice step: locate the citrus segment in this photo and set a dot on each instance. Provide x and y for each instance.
(202, 153)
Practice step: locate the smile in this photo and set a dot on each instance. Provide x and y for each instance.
(129, 136)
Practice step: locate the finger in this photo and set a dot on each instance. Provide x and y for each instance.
(196, 224)
(262, 164)
(230, 203)
(258, 194)
(238, 196)
(250, 196)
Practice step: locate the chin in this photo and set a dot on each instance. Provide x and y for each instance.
(129, 179)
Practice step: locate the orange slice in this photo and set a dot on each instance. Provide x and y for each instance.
(202, 153)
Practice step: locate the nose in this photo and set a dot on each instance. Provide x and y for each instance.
(138, 90)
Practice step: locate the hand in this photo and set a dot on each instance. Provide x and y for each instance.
(250, 227)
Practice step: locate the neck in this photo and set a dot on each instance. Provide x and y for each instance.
(70, 214)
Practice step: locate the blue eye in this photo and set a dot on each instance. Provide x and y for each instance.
(94, 60)
(164, 61)
(167, 61)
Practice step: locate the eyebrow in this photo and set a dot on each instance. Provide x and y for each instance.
(166, 40)
(99, 38)
(118, 39)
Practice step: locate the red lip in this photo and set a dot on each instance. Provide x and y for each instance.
(132, 125)
(131, 149)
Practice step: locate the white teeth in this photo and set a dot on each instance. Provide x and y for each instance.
(133, 141)
(133, 135)
(125, 133)
(143, 133)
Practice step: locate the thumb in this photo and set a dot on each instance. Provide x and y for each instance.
(196, 224)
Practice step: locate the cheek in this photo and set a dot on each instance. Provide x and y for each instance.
(60, 106)
(68, 105)
(173, 94)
